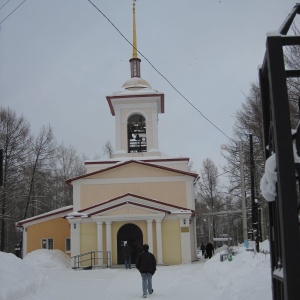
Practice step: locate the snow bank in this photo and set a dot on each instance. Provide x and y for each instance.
(48, 259)
(17, 279)
(244, 265)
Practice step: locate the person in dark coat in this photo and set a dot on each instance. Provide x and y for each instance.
(209, 249)
(127, 256)
(202, 247)
(146, 264)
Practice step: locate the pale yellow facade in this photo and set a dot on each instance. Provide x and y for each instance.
(157, 202)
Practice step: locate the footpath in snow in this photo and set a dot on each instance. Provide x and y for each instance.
(47, 275)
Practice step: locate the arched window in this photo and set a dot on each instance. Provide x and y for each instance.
(136, 127)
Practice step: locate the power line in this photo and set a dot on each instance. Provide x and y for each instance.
(4, 4)
(12, 11)
(198, 110)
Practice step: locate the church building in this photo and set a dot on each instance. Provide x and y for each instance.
(137, 196)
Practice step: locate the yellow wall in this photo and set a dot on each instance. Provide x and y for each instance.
(56, 229)
(88, 237)
(168, 192)
(171, 242)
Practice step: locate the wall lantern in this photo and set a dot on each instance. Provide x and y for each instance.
(74, 225)
(184, 221)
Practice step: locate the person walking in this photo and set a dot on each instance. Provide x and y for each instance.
(146, 264)
(202, 247)
(209, 249)
(127, 256)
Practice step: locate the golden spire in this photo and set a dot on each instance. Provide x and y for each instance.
(134, 48)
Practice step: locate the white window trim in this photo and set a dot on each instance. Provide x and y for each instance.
(47, 243)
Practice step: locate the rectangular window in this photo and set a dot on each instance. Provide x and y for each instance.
(68, 245)
(47, 244)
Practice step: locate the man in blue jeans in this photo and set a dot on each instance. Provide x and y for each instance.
(146, 264)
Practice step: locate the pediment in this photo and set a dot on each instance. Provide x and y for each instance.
(133, 168)
(128, 209)
(130, 204)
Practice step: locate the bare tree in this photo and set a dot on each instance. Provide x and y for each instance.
(66, 164)
(249, 121)
(15, 140)
(42, 151)
(208, 194)
(108, 149)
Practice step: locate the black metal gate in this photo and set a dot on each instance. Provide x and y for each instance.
(284, 211)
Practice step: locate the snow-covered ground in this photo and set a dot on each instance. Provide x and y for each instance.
(47, 275)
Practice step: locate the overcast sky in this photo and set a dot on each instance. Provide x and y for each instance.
(61, 58)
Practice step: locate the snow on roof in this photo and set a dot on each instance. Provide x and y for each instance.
(136, 90)
(47, 214)
(76, 214)
(136, 82)
(181, 211)
(136, 85)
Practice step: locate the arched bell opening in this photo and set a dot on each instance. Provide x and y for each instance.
(136, 127)
(132, 235)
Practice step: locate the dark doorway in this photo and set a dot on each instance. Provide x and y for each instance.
(133, 236)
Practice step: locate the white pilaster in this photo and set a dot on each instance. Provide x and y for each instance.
(108, 236)
(159, 242)
(154, 130)
(76, 196)
(75, 236)
(99, 236)
(150, 235)
(118, 129)
(185, 238)
(24, 246)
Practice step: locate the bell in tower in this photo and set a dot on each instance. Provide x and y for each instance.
(137, 141)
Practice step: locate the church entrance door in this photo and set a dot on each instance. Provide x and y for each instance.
(133, 236)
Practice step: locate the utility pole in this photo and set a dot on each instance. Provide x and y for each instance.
(1, 167)
(255, 228)
(245, 230)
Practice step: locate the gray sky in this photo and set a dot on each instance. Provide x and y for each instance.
(60, 59)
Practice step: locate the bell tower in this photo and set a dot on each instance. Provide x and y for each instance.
(135, 108)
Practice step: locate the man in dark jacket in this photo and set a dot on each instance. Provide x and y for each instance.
(209, 249)
(146, 264)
